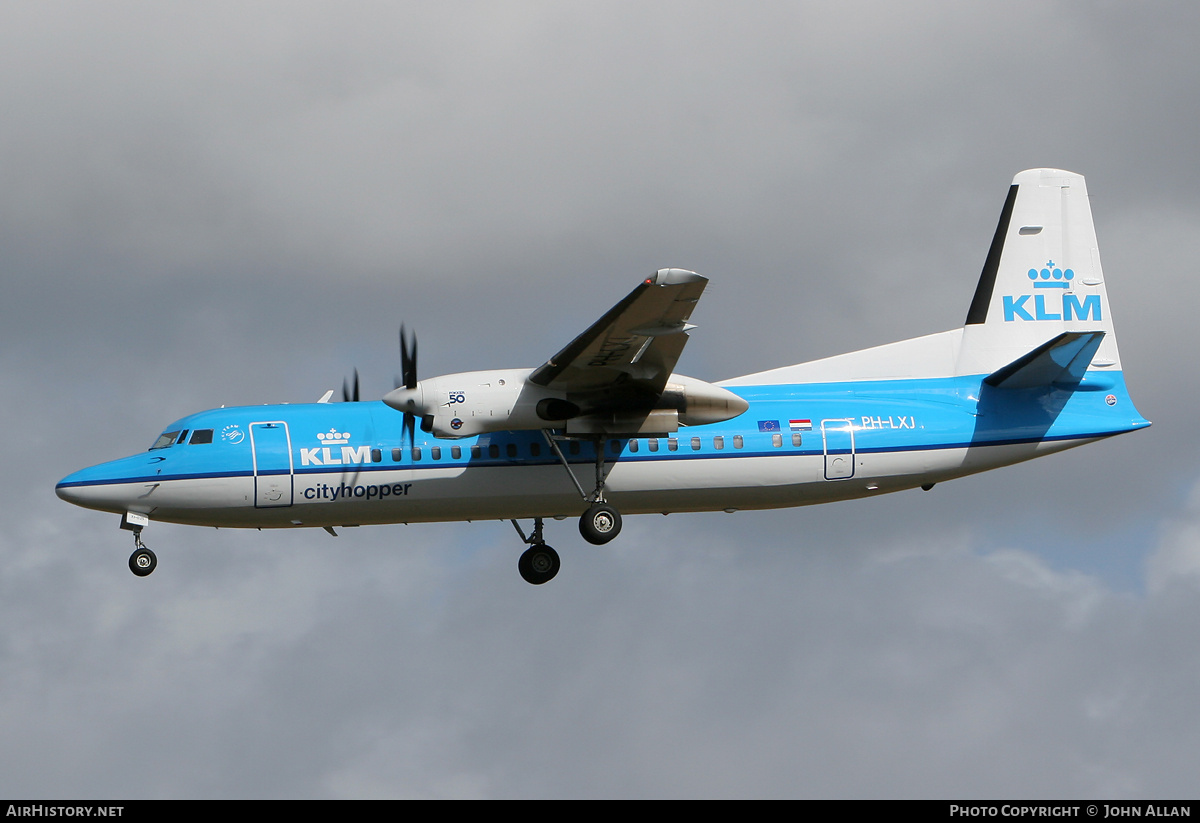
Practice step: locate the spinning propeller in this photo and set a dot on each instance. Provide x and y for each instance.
(347, 395)
(408, 379)
(407, 397)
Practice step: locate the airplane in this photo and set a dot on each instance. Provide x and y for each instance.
(605, 427)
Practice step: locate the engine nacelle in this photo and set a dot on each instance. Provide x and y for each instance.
(473, 403)
(698, 402)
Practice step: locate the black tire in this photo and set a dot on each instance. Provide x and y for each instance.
(538, 564)
(142, 562)
(600, 524)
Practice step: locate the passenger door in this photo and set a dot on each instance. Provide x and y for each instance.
(272, 448)
(838, 439)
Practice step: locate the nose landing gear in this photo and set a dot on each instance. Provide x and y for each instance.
(142, 561)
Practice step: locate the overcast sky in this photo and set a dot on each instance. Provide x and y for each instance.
(206, 204)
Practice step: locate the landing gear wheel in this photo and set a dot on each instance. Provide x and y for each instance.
(538, 564)
(142, 561)
(600, 523)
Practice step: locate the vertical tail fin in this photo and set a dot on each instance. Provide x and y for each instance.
(1042, 277)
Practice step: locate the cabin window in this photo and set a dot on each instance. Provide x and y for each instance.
(614, 446)
(653, 444)
(718, 442)
(777, 440)
(416, 453)
(435, 452)
(397, 455)
(672, 444)
(795, 438)
(476, 452)
(456, 452)
(695, 444)
(493, 450)
(573, 447)
(165, 439)
(633, 445)
(535, 449)
(376, 455)
(511, 449)
(201, 436)
(737, 441)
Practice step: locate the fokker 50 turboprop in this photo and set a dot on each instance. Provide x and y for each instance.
(605, 426)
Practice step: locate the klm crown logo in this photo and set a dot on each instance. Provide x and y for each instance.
(334, 437)
(1051, 277)
(1068, 306)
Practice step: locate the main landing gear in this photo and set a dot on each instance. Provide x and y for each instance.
(539, 563)
(599, 524)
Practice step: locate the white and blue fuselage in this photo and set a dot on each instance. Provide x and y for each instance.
(605, 426)
(335, 464)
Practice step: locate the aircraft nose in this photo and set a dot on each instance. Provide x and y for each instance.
(78, 488)
(68, 492)
(98, 487)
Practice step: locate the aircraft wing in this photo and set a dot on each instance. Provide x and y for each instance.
(629, 353)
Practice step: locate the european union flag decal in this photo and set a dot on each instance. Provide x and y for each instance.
(768, 425)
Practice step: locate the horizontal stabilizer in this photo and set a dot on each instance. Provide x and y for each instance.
(1060, 361)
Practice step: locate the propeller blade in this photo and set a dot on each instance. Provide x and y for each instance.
(408, 360)
(408, 379)
(410, 427)
(349, 396)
